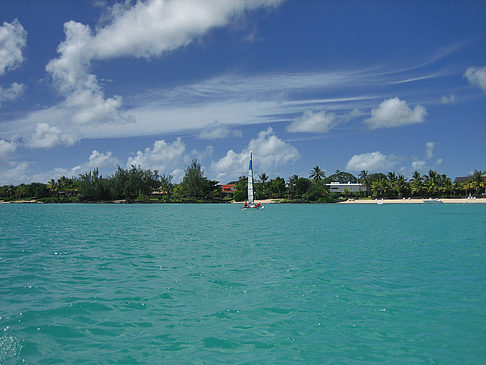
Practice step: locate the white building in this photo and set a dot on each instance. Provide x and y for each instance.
(337, 187)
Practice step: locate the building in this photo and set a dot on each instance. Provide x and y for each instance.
(228, 190)
(337, 187)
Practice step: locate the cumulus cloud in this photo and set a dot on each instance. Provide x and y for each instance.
(354, 113)
(429, 149)
(448, 99)
(319, 122)
(372, 161)
(46, 136)
(476, 76)
(163, 156)
(419, 165)
(144, 29)
(218, 131)
(425, 164)
(13, 39)
(13, 92)
(97, 160)
(394, 112)
(269, 151)
(15, 173)
(6, 148)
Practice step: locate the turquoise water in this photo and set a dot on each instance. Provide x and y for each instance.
(208, 284)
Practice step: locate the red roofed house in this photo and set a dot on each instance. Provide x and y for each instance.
(228, 190)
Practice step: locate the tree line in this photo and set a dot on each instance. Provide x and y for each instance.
(138, 185)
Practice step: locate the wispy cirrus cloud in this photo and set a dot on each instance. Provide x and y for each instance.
(218, 131)
(144, 29)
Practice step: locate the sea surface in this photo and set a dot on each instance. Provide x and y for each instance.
(213, 284)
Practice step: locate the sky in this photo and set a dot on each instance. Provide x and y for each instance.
(346, 85)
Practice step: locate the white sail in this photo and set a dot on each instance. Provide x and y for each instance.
(250, 181)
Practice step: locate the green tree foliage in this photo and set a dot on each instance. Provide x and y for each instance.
(167, 185)
(195, 185)
(137, 184)
(317, 174)
(299, 186)
(342, 177)
(277, 187)
(134, 183)
(241, 193)
(93, 187)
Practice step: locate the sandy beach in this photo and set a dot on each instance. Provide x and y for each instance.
(418, 201)
(393, 201)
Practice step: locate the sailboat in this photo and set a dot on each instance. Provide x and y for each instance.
(251, 202)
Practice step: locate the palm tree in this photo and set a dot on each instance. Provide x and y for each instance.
(317, 174)
(416, 184)
(364, 179)
(262, 188)
(379, 188)
(477, 182)
(402, 186)
(392, 176)
(292, 185)
(52, 187)
(432, 183)
(263, 178)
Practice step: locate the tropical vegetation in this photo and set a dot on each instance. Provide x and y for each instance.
(138, 185)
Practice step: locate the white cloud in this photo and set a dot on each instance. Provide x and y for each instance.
(13, 92)
(217, 131)
(269, 153)
(448, 99)
(145, 29)
(372, 161)
(6, 148)
(46, 136)
(230, 99)
(163, 156)
(429, 149)
(14, 174)
(354, 113)
(320, 122)
(394, 112)
(418, 165)
(99, 159)
(13, 39)
(477, 76)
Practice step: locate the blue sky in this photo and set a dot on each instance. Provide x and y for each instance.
(349, 85)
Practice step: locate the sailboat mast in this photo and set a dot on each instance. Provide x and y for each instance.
(250, 180)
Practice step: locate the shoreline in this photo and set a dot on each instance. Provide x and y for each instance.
(283, 201)
(418, 201)
(385, 201)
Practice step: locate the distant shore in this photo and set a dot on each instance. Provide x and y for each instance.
(417, 201)
(284, 201)
(389, 201)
